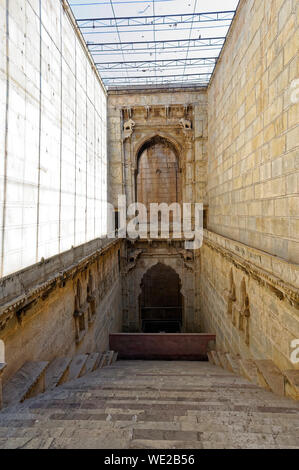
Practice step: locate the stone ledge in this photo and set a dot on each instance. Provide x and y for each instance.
(28, 292)
(279, 275)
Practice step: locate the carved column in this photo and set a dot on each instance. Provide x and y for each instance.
(129, 170)
(189, 160)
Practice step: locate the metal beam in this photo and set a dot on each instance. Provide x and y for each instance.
(96, 23)
(96, 47)
(154, 64)
(142, 77)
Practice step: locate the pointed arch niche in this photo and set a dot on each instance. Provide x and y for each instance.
(158, 176)
(161, 300)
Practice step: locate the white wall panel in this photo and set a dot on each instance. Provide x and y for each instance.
(53, 184)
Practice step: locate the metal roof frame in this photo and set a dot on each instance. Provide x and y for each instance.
(112, 57)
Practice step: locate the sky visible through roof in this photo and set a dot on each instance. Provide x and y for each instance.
(166, 50)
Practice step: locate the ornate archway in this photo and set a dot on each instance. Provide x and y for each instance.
(161, 300)
(158, 176)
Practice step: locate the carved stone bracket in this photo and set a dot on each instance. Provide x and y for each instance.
(128, 128)
(186, 125)
(188, 257)
(132, 260)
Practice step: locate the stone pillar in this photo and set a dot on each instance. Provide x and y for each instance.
(128, 164)
(115, 156)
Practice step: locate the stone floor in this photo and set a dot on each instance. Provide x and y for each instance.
(153, 404)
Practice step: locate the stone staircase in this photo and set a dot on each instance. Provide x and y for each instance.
(34, 378)
(263, 373)
(153, 404)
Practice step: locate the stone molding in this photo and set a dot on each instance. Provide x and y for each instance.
(19, 305)
(283, 280)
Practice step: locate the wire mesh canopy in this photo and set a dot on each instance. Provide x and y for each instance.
(154, 42)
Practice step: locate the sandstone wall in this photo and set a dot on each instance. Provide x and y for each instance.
(249, 299)
(253, 154)
(52, 135)
(49, 321)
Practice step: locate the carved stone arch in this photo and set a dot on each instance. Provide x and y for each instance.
(244, 317)
(78, 295)
(90, 283)
(158, 176)
(170, 262)
(158, 306)
(140, 144)
(231, 298)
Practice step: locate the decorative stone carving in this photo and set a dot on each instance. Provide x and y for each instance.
(132, 260)
(244, 313)
(282, 290)
(186, 124)
(18, 307)
(79, 313)
(188, 257)
(128, 128)
(231, 293)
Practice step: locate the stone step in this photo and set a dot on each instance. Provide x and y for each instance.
(107, 359)
(92, 362)
(223, 360)
(233, 363)
(28, 381)
(210, 357)
(292, 383)
(163, 410)
(103, 360)
(110, 358)
(57, 372)
(215, 358)
(273, 377)
(115, 354)
(249, 370)
(77, 366)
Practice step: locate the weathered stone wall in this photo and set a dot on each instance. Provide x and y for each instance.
(150, 113)
(249, 299)
(253, 169)
(52, 135)
(50, 320)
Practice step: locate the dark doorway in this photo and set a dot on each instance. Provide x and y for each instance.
(161, 301)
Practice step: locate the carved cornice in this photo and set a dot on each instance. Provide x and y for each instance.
(21, 304)
(283, 290)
